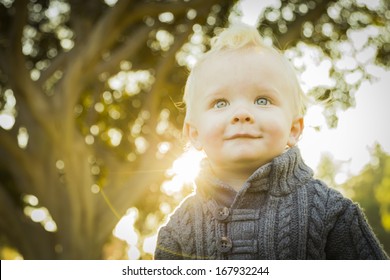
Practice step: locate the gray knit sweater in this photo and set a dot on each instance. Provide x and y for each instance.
(281, 212)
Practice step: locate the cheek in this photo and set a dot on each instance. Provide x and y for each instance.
(276, 126)
(211, 132)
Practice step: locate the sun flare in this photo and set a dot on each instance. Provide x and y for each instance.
(183, 171)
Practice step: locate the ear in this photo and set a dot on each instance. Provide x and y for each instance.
(295, 131)
(191, 132)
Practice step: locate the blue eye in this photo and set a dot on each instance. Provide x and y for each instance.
(221, 104)
(262, 101)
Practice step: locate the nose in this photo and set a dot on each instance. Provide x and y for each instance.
(242, 116)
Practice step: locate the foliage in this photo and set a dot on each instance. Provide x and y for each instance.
(88, 122)
(370, 189)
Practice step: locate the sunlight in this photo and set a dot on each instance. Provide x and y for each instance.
(22, 137)
(316, 71)
(7, 114)
(131, 82)
(133, 253)
(183, 171)
(110, 3)
(115, 136)
(150, 243)
(40, 215)
(371, 4)
(7, 121)
(124, 229)
(31, 199)
(252, 8)
(187, 165)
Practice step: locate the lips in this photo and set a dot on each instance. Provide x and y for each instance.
(243, 136)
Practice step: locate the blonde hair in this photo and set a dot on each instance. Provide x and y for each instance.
(236, 37)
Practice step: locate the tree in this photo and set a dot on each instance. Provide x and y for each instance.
(87, 98)
(371, 190)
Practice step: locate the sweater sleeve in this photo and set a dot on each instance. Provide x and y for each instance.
(175, 240)
(168, 247)
(352, 238)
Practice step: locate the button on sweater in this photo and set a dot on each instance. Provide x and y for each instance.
(281, 212)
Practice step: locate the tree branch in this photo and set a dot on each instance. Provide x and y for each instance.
(14, 158)
(101, 35)
(106, 34)
(9, 144)
(18, 74)
(55, 64)
(163, 69)
(131, 46)
(85, 56)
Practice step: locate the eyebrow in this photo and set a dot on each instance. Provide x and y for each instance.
(275, 93)
(215, 92)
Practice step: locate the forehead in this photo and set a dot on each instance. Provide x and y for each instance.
(246, 67)
(236, 55)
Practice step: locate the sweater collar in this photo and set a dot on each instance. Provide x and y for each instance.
(279, 177)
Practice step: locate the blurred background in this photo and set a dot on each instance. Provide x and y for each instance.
(91, 156)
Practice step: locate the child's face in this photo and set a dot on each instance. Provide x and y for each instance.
(242, 110)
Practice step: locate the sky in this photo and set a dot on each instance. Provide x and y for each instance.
(358, 130)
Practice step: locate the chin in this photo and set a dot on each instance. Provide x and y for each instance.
(248, 161)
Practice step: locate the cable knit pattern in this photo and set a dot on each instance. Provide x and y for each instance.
(281, 212)
(316, 225)
(210, 226)
(187, 232)
(284, 240)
